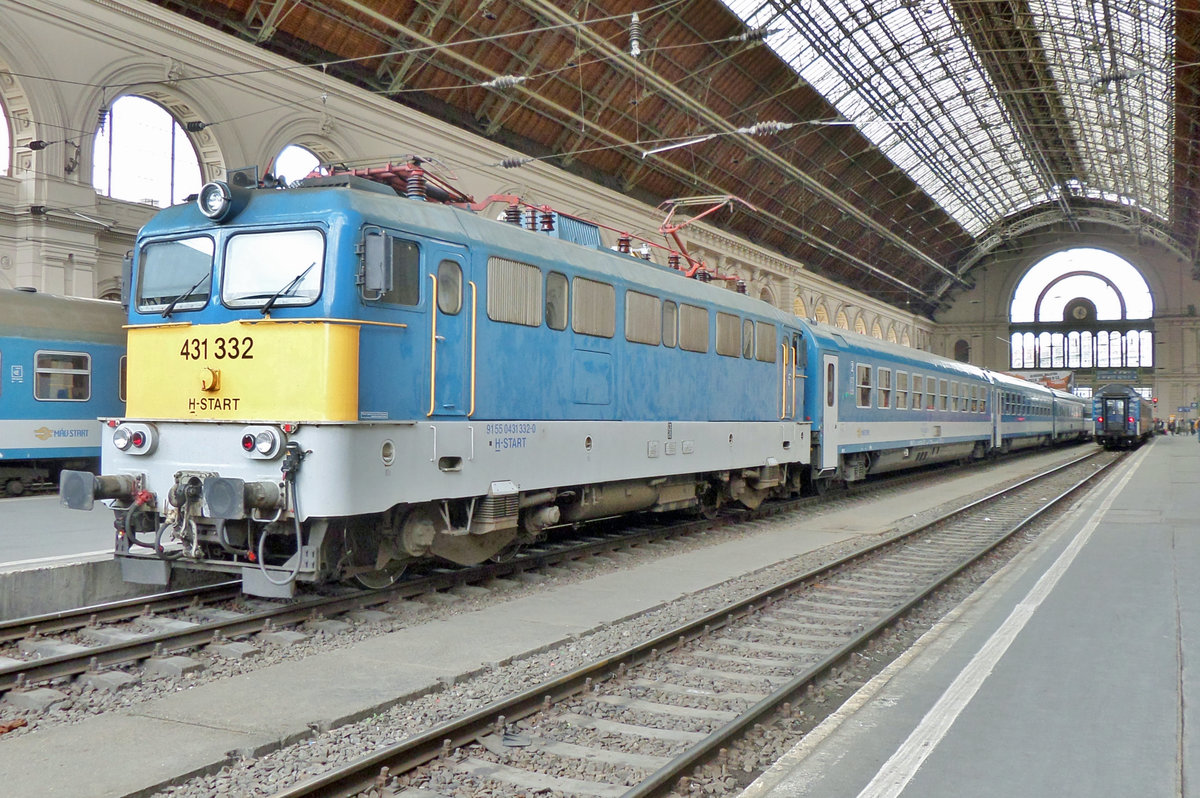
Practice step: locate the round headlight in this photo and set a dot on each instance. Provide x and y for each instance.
(215, 200)
(265, 442)
(122, 438)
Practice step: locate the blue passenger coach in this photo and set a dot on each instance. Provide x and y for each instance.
(60, 370)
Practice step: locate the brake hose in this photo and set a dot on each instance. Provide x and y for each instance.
(291, 464)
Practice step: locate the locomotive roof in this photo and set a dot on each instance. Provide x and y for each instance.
(27, 314)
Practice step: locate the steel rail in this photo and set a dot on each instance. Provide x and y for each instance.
(373, 770)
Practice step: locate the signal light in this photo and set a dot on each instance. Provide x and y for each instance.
(248, 442)
(138, 439)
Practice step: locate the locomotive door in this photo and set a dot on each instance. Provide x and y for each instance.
(829, 412)
(452, 339)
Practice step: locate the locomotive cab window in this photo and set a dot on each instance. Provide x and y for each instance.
(863, 378)
(175, 273)
(449, 298)
(391, 269)
(62, 376)
(556, 301)
(273, 269)
(747, 338)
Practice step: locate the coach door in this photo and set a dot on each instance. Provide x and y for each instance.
(829, 412)
(452, 339)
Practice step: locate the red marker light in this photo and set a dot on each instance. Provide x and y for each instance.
(138, 440)
(248, 442)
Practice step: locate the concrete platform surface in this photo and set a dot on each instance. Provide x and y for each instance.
(1071, 673)
(202, 728)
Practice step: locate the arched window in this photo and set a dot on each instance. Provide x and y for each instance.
(891, 335)
(294, 162)
(905, 339)
(142, 154)
(860, 326)
(876, 331)
(962, 351)
(798, 307)
(842, 321)
(5, 140)
(1082, 309)
(821, 314)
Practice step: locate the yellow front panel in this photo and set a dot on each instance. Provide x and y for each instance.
(294, 371)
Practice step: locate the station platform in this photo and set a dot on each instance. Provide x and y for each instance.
(1072, 672)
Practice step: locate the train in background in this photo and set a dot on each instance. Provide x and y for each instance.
(333, 380)
(61, 366)
(1123, 418)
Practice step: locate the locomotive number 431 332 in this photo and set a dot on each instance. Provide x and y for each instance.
(220, 348)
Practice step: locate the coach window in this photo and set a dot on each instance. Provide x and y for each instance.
(954, 405)
(514, 292)
(643, 318)
(747, 338)
(765, 338)
(885, 388)
(830, 388)
(693, 328)
(901, 390)
(556, 301)
(449, 296)
(918, 392)
(729, 333)
(944, 403)
(594, 309)
(62, 376)
(863, 375)
(178, 272)
(670, 323)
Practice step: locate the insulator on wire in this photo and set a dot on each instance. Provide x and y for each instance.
(740, 286)
(547, 221)
(623, 244)
(195, 127)
(512, 214)
(766, 128)
(102, 118)
(635, 35)
(673, 261)
(756, 34)
(531, 220)
(504, 82)
(515, 163)
(703, 276)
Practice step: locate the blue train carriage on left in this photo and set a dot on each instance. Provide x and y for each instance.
(332, 381)
(61, 370)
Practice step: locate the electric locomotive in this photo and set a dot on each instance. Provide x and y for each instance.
(1123, 417)
(61, 366)
(332, 380)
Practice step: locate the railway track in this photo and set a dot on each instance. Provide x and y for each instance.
(637, 722)
(62, 645)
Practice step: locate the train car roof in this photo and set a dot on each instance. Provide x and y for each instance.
(1019, 384)
(447, 223)
(28, 314)
(1116, 389)
(845, 340)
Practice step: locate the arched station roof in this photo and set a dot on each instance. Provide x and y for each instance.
(886, 144)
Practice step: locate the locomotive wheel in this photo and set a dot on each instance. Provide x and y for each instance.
(710, 501)
(14, 487)
(381, 578)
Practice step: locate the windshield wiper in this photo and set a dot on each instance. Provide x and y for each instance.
(286, 289)
(171, 305)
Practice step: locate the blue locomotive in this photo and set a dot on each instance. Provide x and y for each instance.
(1123, 418)
(336, 379)
(61, 365)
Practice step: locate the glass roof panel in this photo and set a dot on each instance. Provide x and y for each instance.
(905, 73)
